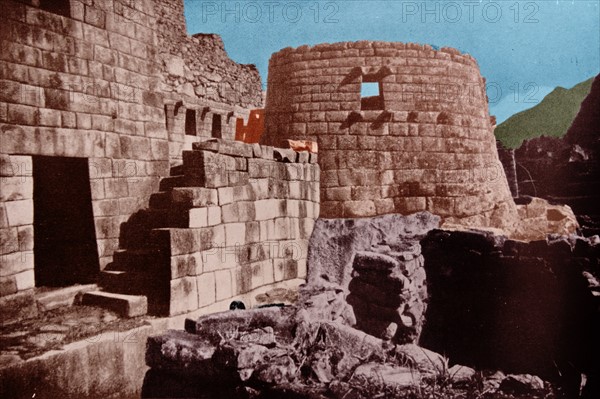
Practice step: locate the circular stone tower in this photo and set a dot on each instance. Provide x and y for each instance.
(401, 128)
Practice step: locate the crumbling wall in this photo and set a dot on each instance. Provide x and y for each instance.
(81, 86)
(425, 144)
(237, 219)
(378, 261)
(197, 71)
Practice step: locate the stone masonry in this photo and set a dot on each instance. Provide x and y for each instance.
(81, 86)
(238, 218)
(199, 73)
(106, 82)
(425, 143)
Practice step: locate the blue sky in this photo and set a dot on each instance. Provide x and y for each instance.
(524, 48)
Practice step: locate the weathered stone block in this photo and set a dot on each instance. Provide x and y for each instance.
(9, 240)
(285, 155)
(19, 213)
(206, 289)
(198, 217)
(19, 306)
(125, 305)
(235, 234)
(225, 195)
(25, 280)
(186, 265)
(180, 351)
(214, 215)
(195, 196)
(223, 284)
(184, 295)
(359, 208)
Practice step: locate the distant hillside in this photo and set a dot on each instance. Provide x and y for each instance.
(551, 117)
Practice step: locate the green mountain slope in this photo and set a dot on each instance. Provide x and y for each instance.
(551, 117)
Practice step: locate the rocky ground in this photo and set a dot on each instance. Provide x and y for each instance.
(310, 351)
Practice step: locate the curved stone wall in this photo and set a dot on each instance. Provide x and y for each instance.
(426, 143)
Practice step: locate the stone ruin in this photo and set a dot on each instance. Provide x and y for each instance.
(106, 110)
(121, 181)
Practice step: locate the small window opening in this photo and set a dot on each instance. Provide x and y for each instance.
(216, 126)
(190, 122)
(370, 95)
(60, 7)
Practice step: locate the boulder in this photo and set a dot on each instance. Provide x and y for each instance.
(217, 325)
(460, 373)
(521, 384)
(261, 336)
(180, 351)
(324, 302)
(422, 359)
(350, 341)
(280, 370)
(241, 357)
(388, 375)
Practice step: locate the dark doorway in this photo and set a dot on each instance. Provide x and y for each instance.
(64, 235)
(216, 126)
(60, 7)
(190, 122)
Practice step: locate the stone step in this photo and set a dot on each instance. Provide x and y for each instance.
(61, 297)
(160, 200)
(168, 183)
(132, 282)
(124, 305)
(139, 260)
(176, 170)
(225, 147)
(151, 285)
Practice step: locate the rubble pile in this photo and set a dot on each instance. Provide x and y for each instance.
(309, 350)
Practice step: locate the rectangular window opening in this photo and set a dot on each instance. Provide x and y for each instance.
(216, 126)
(371, 97)
(190, 122)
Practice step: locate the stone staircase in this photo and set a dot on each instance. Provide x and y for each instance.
(162, 243)
(137, 281)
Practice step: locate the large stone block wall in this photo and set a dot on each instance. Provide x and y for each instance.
(16, 224)
(238, 219)
(430, 146)
(85, 86)
(198, 72)
(94, 85)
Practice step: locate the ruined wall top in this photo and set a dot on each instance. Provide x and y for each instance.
(416, 50)
(198, 66)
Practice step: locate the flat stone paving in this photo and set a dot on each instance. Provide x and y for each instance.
(59, 327)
